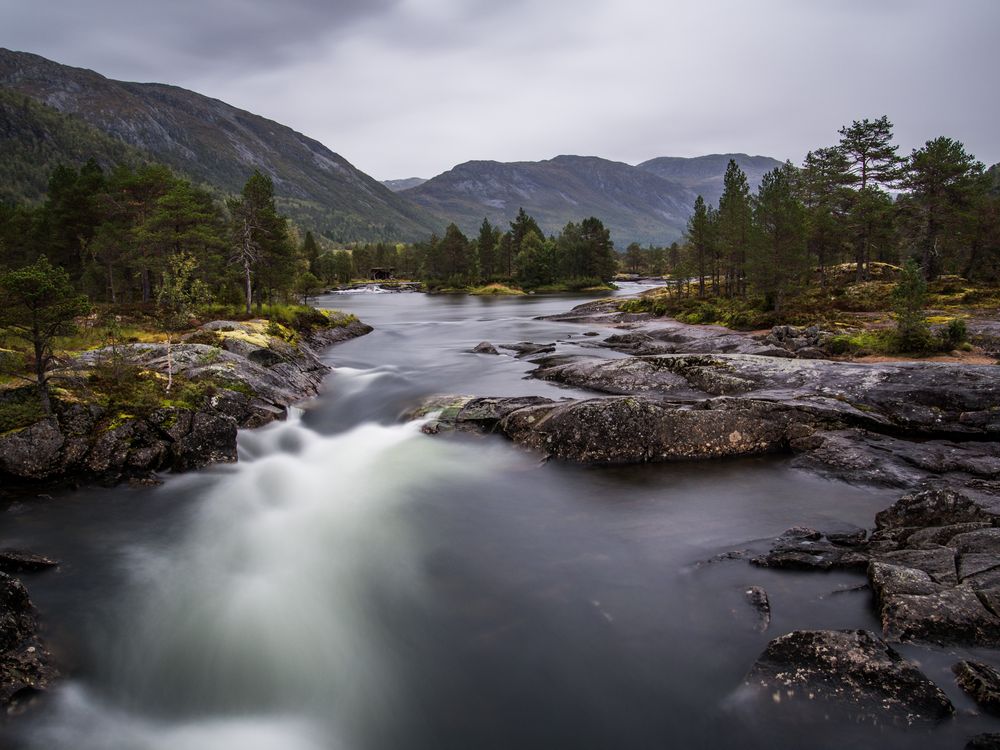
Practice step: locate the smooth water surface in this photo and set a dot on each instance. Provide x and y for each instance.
(354, 583)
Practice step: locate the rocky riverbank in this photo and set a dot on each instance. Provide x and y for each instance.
(226, 376)
(932, 560)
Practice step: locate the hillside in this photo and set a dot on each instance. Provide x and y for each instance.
(35, 139)
(703, 174)
(405, 183)
(649, 203)
(212, 142)
(634, 204)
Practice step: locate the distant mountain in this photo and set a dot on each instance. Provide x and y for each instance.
(212, 142)
(635, 205)
(703, 174)
(35, 139)
(650, 203)
(404, 184)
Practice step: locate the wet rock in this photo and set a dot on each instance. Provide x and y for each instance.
(803, 548)
(757, 598)
(484, 347)
(980, 541)
(845, 534)
(933, 507)
(527, 348)
(25, 665)
(981, 682)
(949, 616)
(985, 741)
(20, 561)
(254, 377)
(634, 430)
(852, 669)
(32, 452)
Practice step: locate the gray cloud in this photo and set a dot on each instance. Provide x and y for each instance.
(411, 87)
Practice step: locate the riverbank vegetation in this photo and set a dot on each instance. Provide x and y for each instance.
(855, 229)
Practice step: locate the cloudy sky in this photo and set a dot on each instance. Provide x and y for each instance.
(412, 87)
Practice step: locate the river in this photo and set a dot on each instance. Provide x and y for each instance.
(353, 583)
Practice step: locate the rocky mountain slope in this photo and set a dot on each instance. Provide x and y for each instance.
(405, 183)
(703, 174)
(217, 144)
(650, 203)
(35, 139)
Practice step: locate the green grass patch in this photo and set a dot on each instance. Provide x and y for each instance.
(19, 408)
(495, 290)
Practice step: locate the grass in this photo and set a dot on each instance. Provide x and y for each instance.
(495, 289)
(19, 408)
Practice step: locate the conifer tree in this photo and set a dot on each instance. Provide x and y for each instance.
(733, 229)
(944, 183)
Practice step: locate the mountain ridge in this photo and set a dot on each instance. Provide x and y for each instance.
(213, 142)
(638, 203)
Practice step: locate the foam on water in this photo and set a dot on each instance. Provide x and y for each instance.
(265, 608)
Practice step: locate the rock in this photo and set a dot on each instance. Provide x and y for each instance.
(757, 598)
(484, 347)
(212, 439)
(981, 682)
(852, 669)
(802, 548)
(845, 534)
(934, 507)
(32, 452)
(633, 430)
(949, 616)
(985, 540)
(254, 377)
(527, 349)
(25, 665)
(19, 561)
(985, 741)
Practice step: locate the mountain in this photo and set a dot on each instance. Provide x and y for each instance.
(35, 139)
(406, 183)
(704, 174)
(215, 143)
(635, 204)
(648, 203)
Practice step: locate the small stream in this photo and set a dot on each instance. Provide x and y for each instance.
(354, 583)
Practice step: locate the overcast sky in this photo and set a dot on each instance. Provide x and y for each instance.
(412, 87)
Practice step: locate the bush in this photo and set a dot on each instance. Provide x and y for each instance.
(954, 334)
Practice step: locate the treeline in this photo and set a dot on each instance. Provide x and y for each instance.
(856, 202)
(127, 235)
(580, 255)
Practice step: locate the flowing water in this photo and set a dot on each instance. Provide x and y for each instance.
(353, 583)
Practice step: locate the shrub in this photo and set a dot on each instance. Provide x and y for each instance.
(954, 334)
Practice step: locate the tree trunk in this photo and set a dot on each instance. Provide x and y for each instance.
(40, 379)
(248, 287)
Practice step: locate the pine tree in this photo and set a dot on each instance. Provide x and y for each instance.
(873, 166)
(699, 240)
(944, 184)
(777, 264)
(823, 187)
(39, 304)
(260, 239)
(486, 247)
(734, 229)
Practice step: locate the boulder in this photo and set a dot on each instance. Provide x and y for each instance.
(20, 561)
(25, 665)
(484, 347)
(981, 682)
(757, 598)
(853, 670)
(933, 507)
